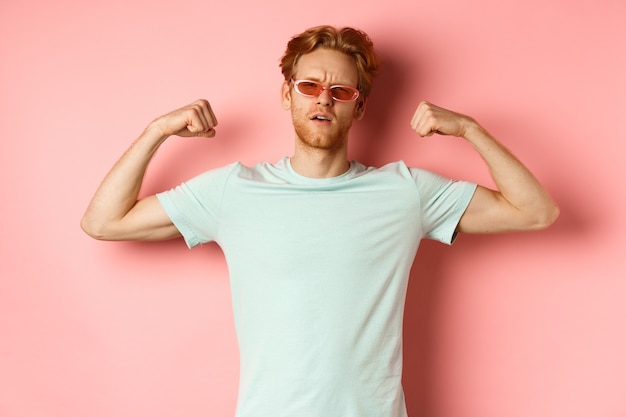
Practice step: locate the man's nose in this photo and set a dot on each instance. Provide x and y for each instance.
(325, 98)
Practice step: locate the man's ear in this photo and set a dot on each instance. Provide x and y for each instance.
(359, 111)
(285, 95)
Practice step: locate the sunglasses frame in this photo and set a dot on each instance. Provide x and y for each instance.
(356, 95)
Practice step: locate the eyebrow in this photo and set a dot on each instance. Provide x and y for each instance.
(317, 80)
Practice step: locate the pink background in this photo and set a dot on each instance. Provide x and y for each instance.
(511, 325)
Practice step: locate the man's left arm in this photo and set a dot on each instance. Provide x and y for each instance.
(519, 203)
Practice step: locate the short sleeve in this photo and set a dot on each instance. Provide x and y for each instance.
(195, 205)
(443, 201)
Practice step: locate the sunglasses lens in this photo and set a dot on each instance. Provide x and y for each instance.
(314, 89)
(343, 93)
(309, 88)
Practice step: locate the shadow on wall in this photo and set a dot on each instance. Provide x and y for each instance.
(425, 277)
(370, 137)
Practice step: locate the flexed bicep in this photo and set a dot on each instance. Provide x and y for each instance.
(146, 220)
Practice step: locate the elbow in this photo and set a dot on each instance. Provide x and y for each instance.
(93, 229)
(89, 228)
(547, 217)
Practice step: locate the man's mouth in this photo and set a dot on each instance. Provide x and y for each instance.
(321, 117)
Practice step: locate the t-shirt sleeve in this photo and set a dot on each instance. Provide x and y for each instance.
(195, 205)
(443, 201)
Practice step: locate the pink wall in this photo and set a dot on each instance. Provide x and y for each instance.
(510, 325)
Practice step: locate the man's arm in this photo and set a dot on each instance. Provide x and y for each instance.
(114, 212)
(520, 203)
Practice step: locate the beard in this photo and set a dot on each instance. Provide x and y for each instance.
(321, 138)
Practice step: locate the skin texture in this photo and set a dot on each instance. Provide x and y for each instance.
(320, 151)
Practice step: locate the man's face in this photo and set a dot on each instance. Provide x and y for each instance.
(321, 122)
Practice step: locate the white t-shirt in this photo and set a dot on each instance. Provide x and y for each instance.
(319, 270)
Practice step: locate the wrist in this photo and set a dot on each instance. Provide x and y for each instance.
(472, 130)
(155, 133)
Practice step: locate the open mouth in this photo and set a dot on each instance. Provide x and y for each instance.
(321, 118)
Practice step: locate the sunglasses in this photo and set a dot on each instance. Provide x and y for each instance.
(310, 88)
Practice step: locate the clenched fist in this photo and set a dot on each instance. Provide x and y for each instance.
(430, 119)
(194, 120)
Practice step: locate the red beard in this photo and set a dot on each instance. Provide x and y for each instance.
(320, 137)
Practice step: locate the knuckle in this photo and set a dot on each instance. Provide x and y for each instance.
(202, 103)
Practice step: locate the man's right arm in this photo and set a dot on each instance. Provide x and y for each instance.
(115, 213)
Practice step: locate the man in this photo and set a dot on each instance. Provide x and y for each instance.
(319, 248)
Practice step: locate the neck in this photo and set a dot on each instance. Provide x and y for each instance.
(316, 163)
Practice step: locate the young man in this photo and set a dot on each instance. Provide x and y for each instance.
(319, 248)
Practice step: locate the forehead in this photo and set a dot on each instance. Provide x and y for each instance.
(327, 65)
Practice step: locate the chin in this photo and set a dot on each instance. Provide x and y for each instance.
(322, 143)
(328, 142)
